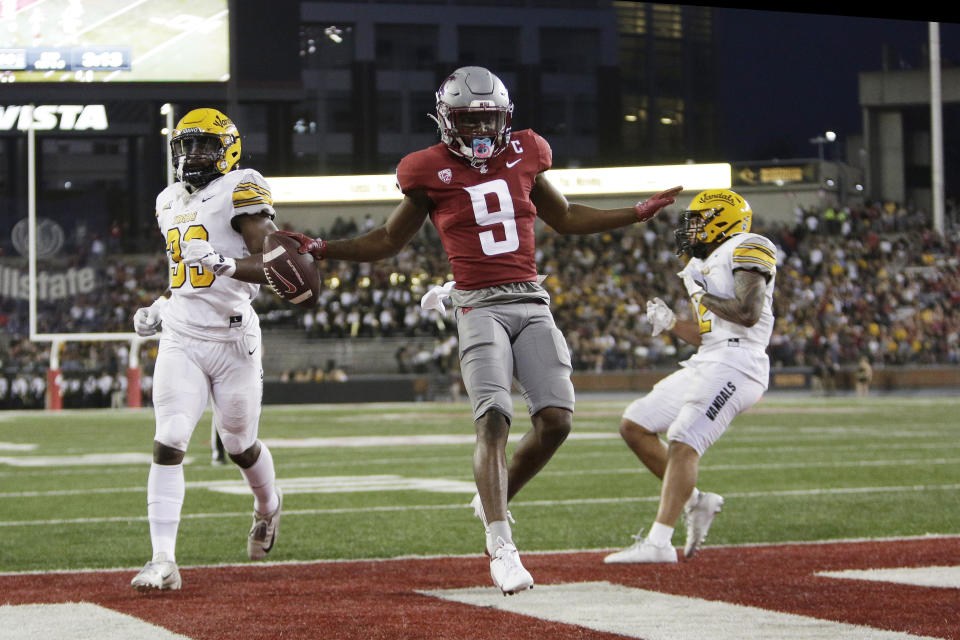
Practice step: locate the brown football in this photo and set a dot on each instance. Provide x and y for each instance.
(292, 275)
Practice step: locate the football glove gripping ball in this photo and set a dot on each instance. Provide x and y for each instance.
(650, 207)
(199, 252)
(147, 320)
(314, 246)
(660, 316)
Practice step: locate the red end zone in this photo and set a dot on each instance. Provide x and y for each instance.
(379, 599)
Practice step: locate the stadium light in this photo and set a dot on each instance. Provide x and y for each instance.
(820, 140)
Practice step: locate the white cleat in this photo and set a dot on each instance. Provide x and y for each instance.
(643, 551)
(506, 570)
(698, 519)
(264, 532)
(159, 574)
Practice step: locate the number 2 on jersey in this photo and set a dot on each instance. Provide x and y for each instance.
(505, 216)
(199, 278)
(705, 325)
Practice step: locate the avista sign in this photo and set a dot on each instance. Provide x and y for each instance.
(66, 117)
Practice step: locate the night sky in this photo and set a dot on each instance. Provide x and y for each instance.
(787, 77)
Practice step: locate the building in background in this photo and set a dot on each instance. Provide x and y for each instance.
(607, 83)
(332, 88)
(335, 88)
(897, 140)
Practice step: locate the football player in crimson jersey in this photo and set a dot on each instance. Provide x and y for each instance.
(482, 187)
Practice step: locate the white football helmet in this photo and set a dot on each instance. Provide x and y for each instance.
(474, 114)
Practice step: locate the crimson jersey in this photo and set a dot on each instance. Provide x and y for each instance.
(485, 218)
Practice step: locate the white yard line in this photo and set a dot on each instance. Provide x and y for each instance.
(555, 474)
(522, 503)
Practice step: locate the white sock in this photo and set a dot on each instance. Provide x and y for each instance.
(262, 480)
(498, 529)
(165, 491)
(692, 501)
(660, 534)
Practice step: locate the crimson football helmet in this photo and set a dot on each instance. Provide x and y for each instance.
(474, 114)
(205, 146)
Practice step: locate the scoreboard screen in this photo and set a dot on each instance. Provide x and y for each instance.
(114, 41)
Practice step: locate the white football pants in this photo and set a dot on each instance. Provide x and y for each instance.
(189, 370)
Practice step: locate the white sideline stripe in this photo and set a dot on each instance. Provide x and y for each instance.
(530, 503)
(551, 552)
(943, 577)
(639, 613)
(77, 621)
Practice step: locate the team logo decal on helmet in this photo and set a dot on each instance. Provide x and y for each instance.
(713, 216)
(474, 114)
(205, 146)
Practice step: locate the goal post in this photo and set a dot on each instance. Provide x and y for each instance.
(54, 394)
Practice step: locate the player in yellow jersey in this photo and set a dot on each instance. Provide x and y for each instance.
(210, 344)
(729, 276)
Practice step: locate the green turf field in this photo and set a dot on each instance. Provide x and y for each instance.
(792, 469)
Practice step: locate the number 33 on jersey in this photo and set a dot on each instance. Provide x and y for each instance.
(485, 218)
(199, 297)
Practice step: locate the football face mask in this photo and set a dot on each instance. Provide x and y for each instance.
(688, 234)
(205, 146)
(195, 155)
(478, 130)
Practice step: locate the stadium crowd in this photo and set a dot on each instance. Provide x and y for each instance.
(871, 281)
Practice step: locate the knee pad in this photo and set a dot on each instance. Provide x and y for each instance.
(174, 431)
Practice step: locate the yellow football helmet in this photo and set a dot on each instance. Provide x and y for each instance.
(712, 216)
(205, 145)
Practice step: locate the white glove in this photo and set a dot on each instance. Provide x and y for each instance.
(433, 299)
(660, 316)
(194, 252)
(693, 281)
(147, 320)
